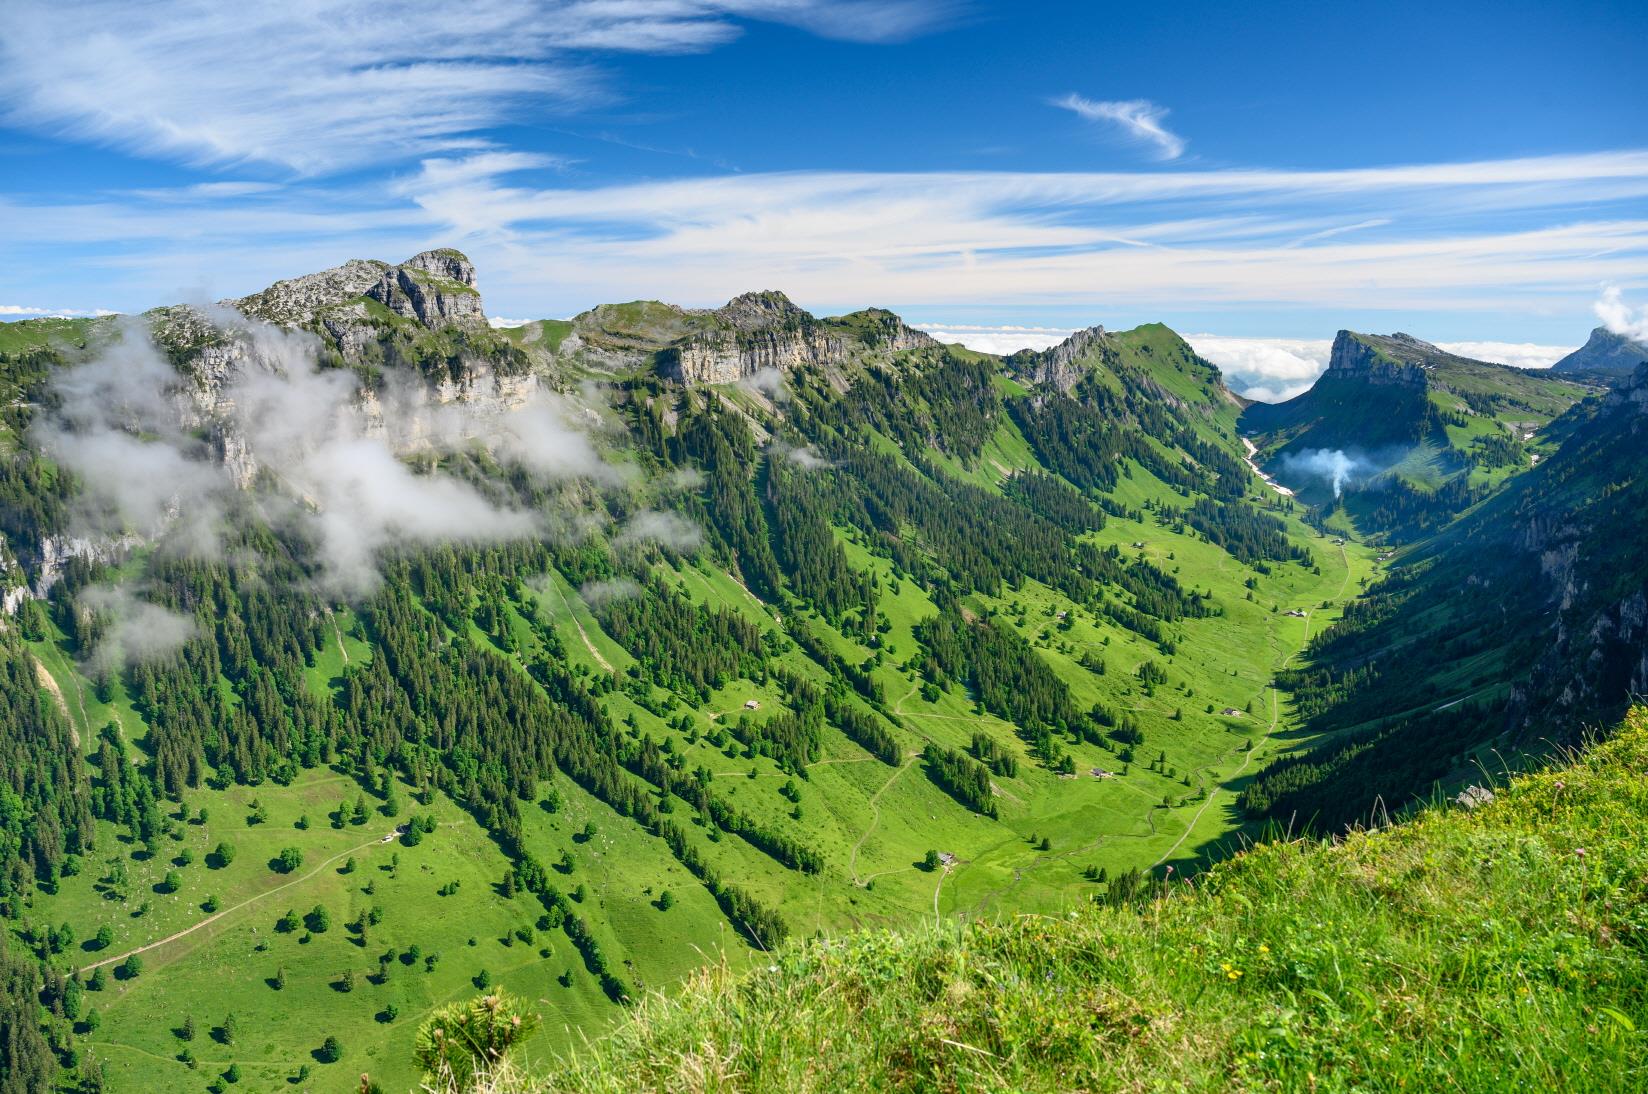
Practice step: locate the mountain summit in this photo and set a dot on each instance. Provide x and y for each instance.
(1604, 351)
(435, 288)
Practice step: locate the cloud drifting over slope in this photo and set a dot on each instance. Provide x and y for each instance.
(298, 446)
(1619, 317)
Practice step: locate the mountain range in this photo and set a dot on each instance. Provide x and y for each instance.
(360, 657)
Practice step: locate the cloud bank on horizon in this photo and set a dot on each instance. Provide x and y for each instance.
(268, 154)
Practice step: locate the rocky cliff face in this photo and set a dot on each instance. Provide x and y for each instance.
(759, 331)
(1580, 519)
(1056, 367)
(436, 288)
(1633, 395)
(1396, 360)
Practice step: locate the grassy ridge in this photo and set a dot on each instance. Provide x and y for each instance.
(1491, 950)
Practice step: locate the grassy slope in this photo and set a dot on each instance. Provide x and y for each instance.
(1494, 950)
(27, 334)
(872, 822)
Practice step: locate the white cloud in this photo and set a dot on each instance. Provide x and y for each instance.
(1620, 317)
(1139, 120)
(671, 530)
(299, 444)
(135, 630)
(1515, 354)
(1211, 237)
(1003, 340)
(340, 83)
(1267, 369)
(50, 313)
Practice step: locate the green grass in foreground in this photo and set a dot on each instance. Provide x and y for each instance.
(1501, 949)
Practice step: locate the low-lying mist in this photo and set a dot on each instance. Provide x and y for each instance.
(1339, 469)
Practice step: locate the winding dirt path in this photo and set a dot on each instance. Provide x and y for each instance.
(1247, 757)
(46, 680)
(875, 808)
(215, 916)
(343, 653)
(578, 623)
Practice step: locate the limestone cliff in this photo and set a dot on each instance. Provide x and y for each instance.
(1398, 360)
(434, 288)
(762, 331)
(1058, 366)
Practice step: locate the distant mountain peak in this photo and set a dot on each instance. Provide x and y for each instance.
(1604, 351)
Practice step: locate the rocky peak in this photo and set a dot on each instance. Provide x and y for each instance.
(444, 262)
(765, 330)
(295, 301)
(1381, 359)
(1604, 351)
(435, 288)
(763, 310)
(1057, 365)
(879, 328)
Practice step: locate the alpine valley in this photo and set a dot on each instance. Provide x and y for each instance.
(360, 658)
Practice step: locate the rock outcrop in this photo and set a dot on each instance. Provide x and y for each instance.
(1399, 360)
(435, 288)
(298, 301)
(1057, 365)
(762, 331)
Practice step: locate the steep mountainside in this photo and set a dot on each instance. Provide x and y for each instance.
(404, 657)
(1524, 622)
(1604, 352)
(1405, 435)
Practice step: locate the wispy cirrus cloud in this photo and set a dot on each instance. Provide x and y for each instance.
(1163, 239)
(336, 84)
(1138, 120)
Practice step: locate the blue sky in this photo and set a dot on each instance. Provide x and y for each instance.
(1266, 174)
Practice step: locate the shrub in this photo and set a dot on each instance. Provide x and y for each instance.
(460, 1040)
